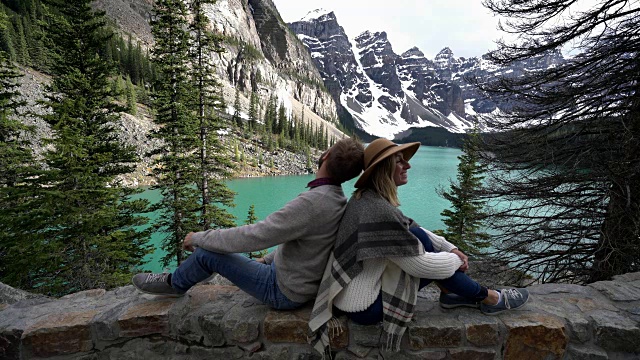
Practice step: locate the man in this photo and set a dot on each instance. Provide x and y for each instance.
(305, 228)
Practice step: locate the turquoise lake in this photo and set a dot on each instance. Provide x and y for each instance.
(431, 167)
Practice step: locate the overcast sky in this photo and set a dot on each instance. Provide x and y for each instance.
(465, 26)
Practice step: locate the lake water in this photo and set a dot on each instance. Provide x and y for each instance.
(430, 167)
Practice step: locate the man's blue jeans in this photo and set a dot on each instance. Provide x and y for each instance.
(254, 278)
(459, 284)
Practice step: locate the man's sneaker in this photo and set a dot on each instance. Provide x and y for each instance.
(451, 300)
(511, 299)
(156, 284)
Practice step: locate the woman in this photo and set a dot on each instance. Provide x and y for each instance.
(382, 258)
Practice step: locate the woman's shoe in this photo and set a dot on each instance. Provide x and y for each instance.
(511, 299)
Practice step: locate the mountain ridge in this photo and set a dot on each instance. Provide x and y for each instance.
(387, 94)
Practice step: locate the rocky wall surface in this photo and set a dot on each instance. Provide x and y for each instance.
(599, 321)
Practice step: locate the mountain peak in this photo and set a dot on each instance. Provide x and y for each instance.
(368, 35)
(413, 52)
(445, 52)
(317, 14)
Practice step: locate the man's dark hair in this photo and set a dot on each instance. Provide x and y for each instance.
(346, 159)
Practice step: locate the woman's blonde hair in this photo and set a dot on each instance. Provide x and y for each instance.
(381, 181)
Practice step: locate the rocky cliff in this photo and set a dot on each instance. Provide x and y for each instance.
(600, 321)
(261, 52)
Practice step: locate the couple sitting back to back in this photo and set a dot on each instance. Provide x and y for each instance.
(368, 266)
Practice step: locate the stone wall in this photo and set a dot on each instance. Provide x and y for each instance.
(599, 321)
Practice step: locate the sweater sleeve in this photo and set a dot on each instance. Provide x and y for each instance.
(435, 266)
(439, 243)
(289, 223)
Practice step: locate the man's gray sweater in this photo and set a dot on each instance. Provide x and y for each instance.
(305, 228)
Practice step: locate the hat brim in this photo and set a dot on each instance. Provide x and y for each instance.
(408, 150)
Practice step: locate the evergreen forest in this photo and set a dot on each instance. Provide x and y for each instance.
(552, 190)
(68, 221)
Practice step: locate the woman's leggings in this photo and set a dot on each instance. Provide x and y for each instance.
(459, 284)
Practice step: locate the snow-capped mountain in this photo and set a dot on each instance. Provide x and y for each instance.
(386, 93)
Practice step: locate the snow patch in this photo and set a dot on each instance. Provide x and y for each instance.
(315, 14)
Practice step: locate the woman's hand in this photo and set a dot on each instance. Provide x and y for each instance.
(464, 258)
(187, 243)
(261, 260)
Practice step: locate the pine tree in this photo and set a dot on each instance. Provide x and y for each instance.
(83, 232)
(177, 164)
(253, 111)
(132, 102)
(22, 51)
(16, 162)
(465, 220)
(252, 219)
(251, 215)
(236, 118)
(7, 37)
(568, 161)
(214, 163)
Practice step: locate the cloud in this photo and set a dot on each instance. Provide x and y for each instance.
(462, 25)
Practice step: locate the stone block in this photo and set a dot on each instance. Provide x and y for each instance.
(562, 289)
(105, 324)
(405, 355)
(436, 331)
(359, 350)
(618, 291)
(198, 316)
(534, 336)
(146, 318)
(365, 335)
(481, 330)
(60, 334)
(285, 326)
(201, 295)
(10, 344)
(476, 354)
(212, 327)
(293, 326)
(289, 352)
(566, 307)
(199, 352)
(613, 332)
(587, 305)
(85, 295)
(242, 325)
(575, 352)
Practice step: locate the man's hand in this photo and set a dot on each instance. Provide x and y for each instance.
(261, 260)
(187, 243)
(464, 258)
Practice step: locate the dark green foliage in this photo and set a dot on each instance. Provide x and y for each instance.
(464, 221)
(245, 50)
(16, 164)
(565, 162)
(77, 229)
(253, 111)
(176, 166)
(237, 109)
(213, 160)
(24, 38)
(130, 91)
(251, 215)
(187, 101)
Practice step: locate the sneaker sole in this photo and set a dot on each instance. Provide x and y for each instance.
(503, 310)
(153, 293)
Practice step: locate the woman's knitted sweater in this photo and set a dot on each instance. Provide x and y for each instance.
(363, 290)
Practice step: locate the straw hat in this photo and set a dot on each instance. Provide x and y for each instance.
(381, 149)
